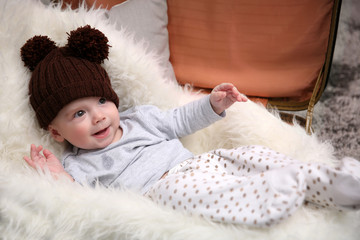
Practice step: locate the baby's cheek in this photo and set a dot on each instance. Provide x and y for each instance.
(79, 135)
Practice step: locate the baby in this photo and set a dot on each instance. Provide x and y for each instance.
(139, 148)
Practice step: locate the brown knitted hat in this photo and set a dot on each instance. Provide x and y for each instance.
(62, 75)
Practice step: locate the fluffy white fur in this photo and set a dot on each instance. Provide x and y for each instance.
(33, 206)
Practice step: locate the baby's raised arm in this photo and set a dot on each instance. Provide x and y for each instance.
(224, 95)
(44, 161)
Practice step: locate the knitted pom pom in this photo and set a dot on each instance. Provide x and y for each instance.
(35, 50)
(88, 43)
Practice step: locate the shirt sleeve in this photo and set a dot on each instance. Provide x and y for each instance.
(184, 120)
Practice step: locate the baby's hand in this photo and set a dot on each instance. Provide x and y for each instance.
(44, 161)
(224, 95)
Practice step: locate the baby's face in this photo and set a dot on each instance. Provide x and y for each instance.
(87, 123)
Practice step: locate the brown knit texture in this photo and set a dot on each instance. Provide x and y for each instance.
(65, 74)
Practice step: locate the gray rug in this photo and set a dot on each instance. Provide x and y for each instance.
(337, 114)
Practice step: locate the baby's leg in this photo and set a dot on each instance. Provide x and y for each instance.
(202, 187)
(250, 160)
(337, 188)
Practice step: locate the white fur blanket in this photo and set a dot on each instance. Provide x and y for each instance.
(33, 206)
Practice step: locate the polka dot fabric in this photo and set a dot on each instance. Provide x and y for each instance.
(337, 188)
(254, 185)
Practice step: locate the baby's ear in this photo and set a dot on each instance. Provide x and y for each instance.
(55, 134)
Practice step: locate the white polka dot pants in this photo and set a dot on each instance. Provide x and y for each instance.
(254, 185)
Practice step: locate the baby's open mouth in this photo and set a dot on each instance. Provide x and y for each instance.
(101, 133)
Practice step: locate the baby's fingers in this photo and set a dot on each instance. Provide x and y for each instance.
(241, 98)
(218, 96)
(29, 161)
(35, 151)
(48, 154)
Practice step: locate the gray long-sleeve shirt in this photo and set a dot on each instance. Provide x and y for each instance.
(148, 148)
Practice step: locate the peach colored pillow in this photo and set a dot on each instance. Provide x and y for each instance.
(266, 48)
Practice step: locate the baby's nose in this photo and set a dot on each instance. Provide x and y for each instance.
(98, 116)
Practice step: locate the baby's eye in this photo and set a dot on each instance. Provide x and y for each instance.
(102, 100)
(79, 114)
